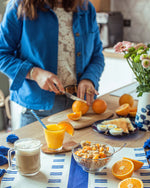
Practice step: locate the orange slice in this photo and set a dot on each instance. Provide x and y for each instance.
(68, 126)
(123, 169)
(74, 116)
(126, 98)
(137, 164)
(123, 110)
(131, 182)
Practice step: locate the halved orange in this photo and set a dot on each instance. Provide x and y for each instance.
(126, 98)
(123, 110)
(74, 116)
(132, 114)
(123, 169)
(137, 164)
(132, 111)
(131, 182)
(68, 126)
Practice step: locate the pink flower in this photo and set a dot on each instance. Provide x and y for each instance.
(140, 45)
(145, 63)
(122, 46)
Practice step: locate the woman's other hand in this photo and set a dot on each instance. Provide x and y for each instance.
(86, 87)
(47, 80)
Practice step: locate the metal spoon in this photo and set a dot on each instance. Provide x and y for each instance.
(120, 148)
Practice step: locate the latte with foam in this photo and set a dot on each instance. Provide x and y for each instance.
(27, 153)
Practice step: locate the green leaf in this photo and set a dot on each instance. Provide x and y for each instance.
(127, 55)
(132, 49)
(140, 48)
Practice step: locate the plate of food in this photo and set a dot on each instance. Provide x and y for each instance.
(115, 127)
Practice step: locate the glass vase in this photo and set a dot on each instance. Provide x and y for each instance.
(142, 119)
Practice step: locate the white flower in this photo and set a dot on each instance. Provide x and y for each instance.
(146, 63)
(143, 56)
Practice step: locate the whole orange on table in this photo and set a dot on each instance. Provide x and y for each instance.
(126, 98)
(99, 106)
(79, 106)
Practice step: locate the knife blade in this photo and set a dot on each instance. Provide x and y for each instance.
(73, 97)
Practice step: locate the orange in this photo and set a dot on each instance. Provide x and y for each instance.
(123, 169)
(131, 182)
(74, 116)
(123, 110)
(78, 106)
(68, 126)
(99, 106)
(137, 164)
(132, 111)
(132, 114)
(126, 98)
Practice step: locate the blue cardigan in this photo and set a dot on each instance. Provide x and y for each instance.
(27, 43)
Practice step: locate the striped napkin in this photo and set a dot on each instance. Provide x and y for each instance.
(61, 171)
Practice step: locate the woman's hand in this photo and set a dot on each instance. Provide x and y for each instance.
(86, 87)
(47, 80)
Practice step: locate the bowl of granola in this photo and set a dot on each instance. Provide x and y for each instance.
(92, 156)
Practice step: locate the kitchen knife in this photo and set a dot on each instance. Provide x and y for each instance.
(73, 97)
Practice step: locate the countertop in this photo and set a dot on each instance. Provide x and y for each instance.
(110, 53)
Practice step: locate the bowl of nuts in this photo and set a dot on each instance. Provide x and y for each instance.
(92, 156)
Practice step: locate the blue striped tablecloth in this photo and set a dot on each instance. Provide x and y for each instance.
(61, 171)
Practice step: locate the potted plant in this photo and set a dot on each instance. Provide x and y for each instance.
(138, 58)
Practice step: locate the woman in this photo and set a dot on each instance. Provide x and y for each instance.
(46, 46)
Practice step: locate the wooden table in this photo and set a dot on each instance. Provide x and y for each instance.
(35, 130)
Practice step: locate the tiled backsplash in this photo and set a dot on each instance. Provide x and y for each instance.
(139, 13)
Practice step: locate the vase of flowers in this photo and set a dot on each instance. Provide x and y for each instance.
(138, 58)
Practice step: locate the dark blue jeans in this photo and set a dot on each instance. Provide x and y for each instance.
(61, 103)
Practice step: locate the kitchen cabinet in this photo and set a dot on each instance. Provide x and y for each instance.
(101, 5)
(117, 74)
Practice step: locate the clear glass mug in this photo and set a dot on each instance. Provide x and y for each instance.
(27, 153)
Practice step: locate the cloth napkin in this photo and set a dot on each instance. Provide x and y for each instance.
(12, 138)
(61, 171)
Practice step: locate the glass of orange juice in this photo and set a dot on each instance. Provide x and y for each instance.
(54, 135)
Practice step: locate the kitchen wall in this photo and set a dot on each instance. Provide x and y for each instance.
(2, 8)
(139, 13)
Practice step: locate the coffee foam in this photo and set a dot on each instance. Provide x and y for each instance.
(28, 147)
(28, 144)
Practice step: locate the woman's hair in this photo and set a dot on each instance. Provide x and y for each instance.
(28, 8)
